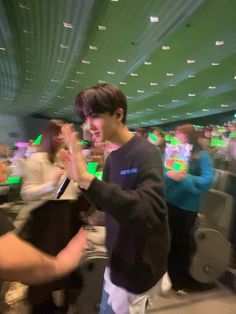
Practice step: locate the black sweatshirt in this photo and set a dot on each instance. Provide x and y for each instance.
(132, 196)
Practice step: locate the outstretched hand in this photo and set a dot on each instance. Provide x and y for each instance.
(72, 158)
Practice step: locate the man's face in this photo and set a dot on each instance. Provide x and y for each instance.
(102, 126)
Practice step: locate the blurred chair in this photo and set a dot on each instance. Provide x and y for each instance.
(220, 180)
(216, 211)
(92, 268)
(212, 245)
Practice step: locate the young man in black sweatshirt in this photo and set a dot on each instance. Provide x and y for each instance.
(132, 196)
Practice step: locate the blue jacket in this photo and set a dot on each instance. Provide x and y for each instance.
(187, 193)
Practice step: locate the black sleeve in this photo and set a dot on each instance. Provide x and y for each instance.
(143, 207)
(5, 223)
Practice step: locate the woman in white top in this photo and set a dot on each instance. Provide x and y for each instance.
(52, 222)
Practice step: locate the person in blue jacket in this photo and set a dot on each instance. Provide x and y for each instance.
(184, 191)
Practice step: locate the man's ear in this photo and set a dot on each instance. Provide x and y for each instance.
(119, 113)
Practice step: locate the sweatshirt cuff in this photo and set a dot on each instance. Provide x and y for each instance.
(95, 188)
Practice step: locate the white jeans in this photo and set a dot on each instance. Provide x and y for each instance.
(124, 302)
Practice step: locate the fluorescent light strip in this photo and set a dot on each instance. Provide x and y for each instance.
(121, 60)
(24, 7)
(190, 61)
(55, 81)
(101, 28)
(219, 42)
(93, 47)
(27, 32)
(64, 46)
(85, 61)
(67, 25)
(154, 19)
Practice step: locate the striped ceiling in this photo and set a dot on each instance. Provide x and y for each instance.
(173, 59)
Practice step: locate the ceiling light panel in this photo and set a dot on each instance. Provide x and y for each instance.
(102, 28)
(121, 60)
(219, 43)
(154, 19)
(68, 25)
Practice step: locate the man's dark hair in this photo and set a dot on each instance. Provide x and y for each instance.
(100, 99)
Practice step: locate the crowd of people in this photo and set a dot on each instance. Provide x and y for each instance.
(151, 190)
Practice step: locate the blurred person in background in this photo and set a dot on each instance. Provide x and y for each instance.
(18, 161)
(158, 140)
(184, 191)
(204, 141)
(231, 189)
(52, 223)
(142, 132)
(4, 172)
(31, 149)
(232, 149)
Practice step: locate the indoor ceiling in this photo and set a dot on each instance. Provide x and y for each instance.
(173, 59)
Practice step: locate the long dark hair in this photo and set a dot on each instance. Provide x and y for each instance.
(48, 143)
(192, 137)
